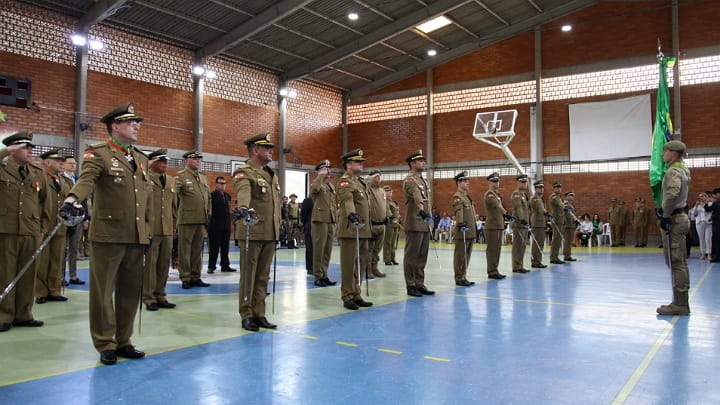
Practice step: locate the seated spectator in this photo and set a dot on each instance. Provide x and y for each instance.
(444, 227)
(585, 230)
(480, 224)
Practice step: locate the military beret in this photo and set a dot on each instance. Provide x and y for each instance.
(463, 175)
(192, 154)
(522, 177)
(19, 137)
(354, 155)
(125, 112)
(675, 146)
(324, 163)
(387, 188)
(374, 172)
(569, 193)
(417, 155)
(493, 177)
(260, 140)
(557, 183)
(539, 183)
(52, 154)
(293, 195)
(158, 154)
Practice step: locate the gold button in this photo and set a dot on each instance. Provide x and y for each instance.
(136, 190)
(109, 216)
(137, 218)
(20, 202)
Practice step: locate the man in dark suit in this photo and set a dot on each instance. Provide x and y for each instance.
(219, 227)
(306, 209)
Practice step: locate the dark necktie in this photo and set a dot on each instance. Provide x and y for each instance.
(21, 170)
(131, 160)
(162, 180)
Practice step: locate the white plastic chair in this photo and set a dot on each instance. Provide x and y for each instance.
(605, 234)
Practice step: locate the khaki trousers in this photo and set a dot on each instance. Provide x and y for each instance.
(557, 242)
(417, 245)
(157, 266)
(569, 235)
(16, 251)
(680, 226)
(391, 235)
(322, 242)
(114, 267)
(190, 245)
(49, 266)
(461, 258)
(519, 244)
(350, 280)
(492, 252)
(537, 249)
(254, 276)
(374, 247)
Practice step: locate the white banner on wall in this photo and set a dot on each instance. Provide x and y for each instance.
(614, 129)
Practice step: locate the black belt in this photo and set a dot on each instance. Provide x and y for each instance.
(379, 222)
(678, 211)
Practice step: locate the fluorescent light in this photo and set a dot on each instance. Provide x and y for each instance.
(198, 70)
(353, 16)
(432, 52)
(96, 45)
(289, 93)
(78, 40)
(434, 24)
(566, 28)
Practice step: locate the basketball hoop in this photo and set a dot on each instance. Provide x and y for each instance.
(497, 129)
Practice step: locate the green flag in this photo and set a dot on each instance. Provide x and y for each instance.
(661, 131)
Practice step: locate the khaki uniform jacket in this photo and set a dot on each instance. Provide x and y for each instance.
(378, 203)
(353, 198)
(323, 196)
(675, 185)
(57, 196)
(557, 207)
(416, 192)
(464, 213)
(570, 216)
(25, 204)
(614, 215)
(393, 214)
(194, 198)
(537, 212)
(122, 200)
(494, 211)
(165, 205)
(520, 206)
(293, 210)
(258, 188)
(640, 216)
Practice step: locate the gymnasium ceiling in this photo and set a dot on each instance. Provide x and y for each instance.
(315, 39)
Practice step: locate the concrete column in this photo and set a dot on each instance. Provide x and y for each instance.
(677, 110)
(81, 70)
(345, 100)
(199, 89)
(429, 138)
(282, 163)
(536, 114)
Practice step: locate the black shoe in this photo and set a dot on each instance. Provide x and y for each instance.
(521, 271)
(412, 291)
(227, 270)
(329, 282)
(186, 285)
(497, 276)
(108, 357)
(249, 324)
(424, 291)
(165, 304)
(369, 276)
(76, 281)
(395, 263)
(379, 274)
(31, 323)
(463, 283)
(362, 303)
(388, 263)
(557, 261)
(40, 300)
(570, 259)
(59, 298)
(264, 323)
(351, 305)
(64, 283)
(538, 266)
(153, 306)
(4, 327)
(320, 282)
(211, 270)
(199, 283)
(130, 352)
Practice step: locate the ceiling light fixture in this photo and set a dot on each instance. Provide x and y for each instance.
(288, 93)
(566, 28)
(432, 52)
(353, 16)
(434, 24)
(78, 40)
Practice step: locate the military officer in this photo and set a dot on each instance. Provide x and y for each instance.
(465, 231)
(674, 221)
(538, 223)
(521, 212)
(194, 210)
(25, 201)
(163, 226)
(616, 215)
(353, 228)
(323, 219)
(293, 222)
(257, 190)
(392, 229)
(571, 223)
(494, 225)
(117, 175)
(640, 222)
(557, 222)
(378, 219)
(418, 225)
(48, 265)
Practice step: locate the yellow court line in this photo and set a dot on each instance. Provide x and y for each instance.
(629, 386)
(441, 359)
(348, 344)
(390, 351)
(309, 337)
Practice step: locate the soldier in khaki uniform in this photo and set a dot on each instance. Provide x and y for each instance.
(324, 218)
(521, 212)
(465, 230)
(117, 174)
(257, 189)
(557, 222)
(378, 220)
(538, 224)
(640, 222)
(353, 228)
(25, 202)
(392, 229)
(571, 223)
(417, 229)
(293, 222)
(494, 225)
(194, 212)
(623, 223)
(163, 225)
(48, 266)
(676, 224)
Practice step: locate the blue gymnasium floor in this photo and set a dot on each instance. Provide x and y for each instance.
(580, 333)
